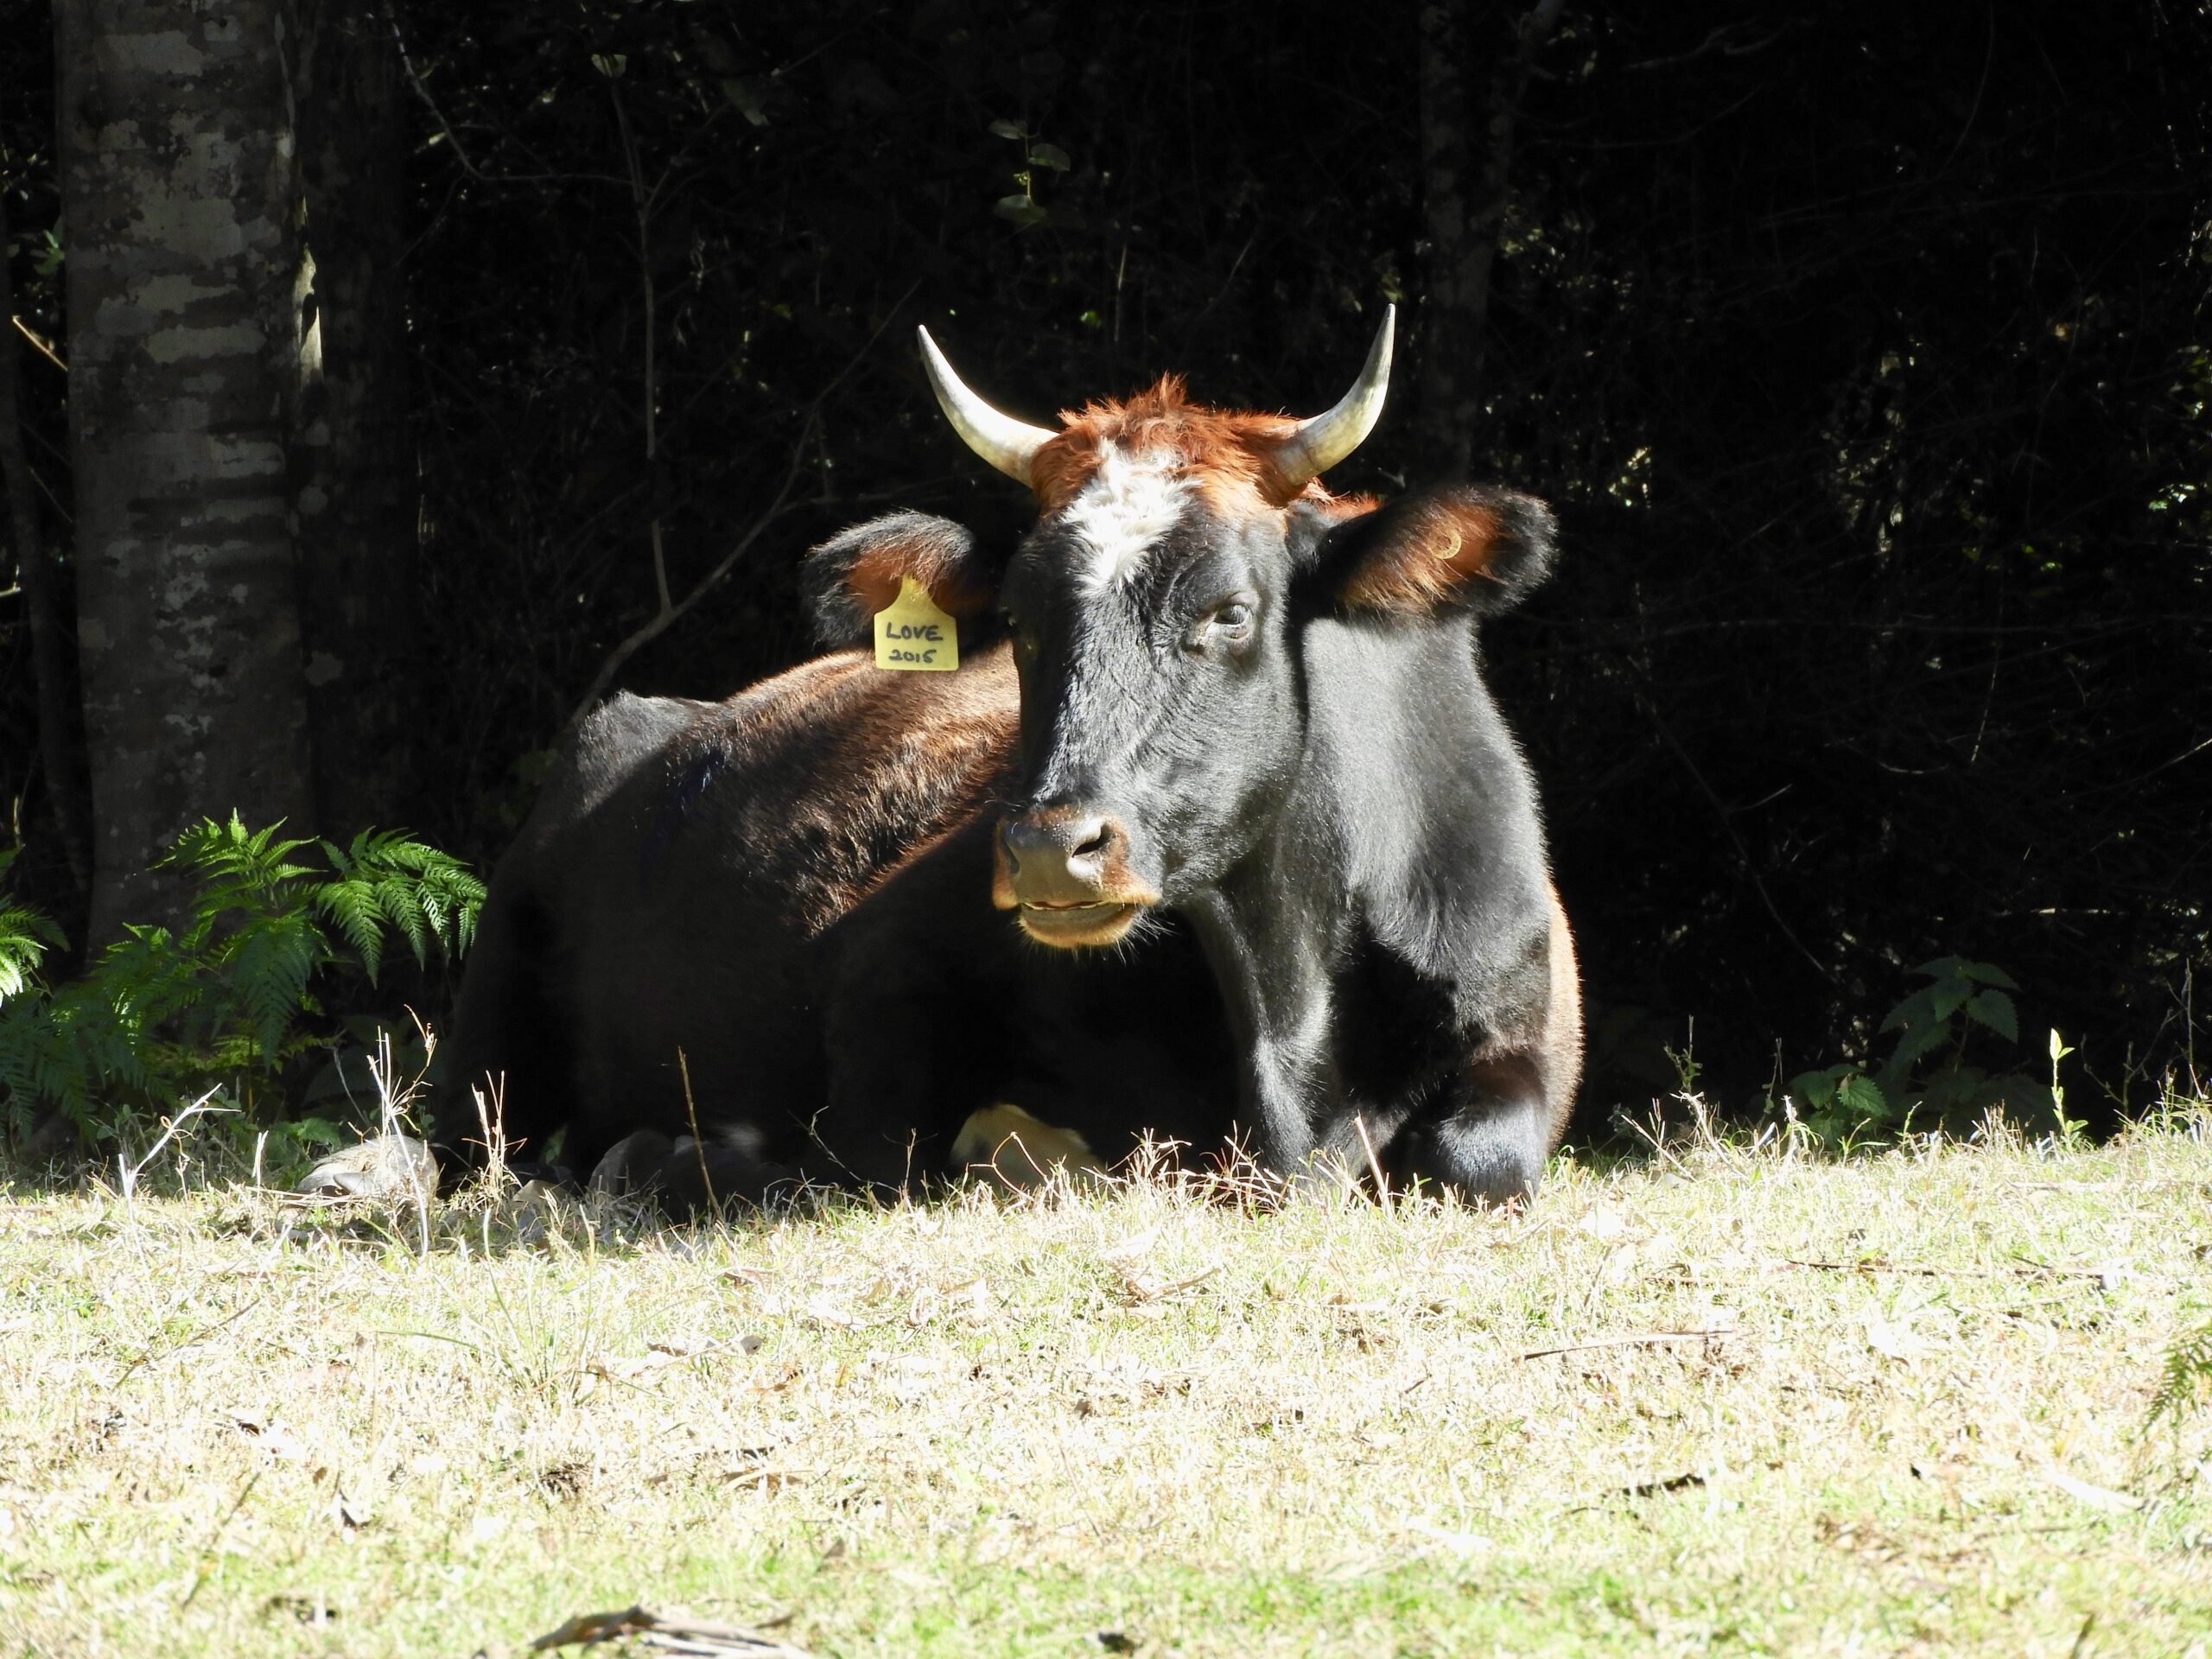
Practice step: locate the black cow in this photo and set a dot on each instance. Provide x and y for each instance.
(1259, 707)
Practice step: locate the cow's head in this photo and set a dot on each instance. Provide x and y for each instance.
(1154, 609)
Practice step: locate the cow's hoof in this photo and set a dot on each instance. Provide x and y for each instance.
(1005, 1145)
(385, 1169)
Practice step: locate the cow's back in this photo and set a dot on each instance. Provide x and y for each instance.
(645, 955)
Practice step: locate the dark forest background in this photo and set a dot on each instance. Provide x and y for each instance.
(1863, 352)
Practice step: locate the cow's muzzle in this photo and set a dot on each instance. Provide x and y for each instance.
(1066, 874)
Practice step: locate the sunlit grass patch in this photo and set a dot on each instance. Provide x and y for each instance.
(1721, 1398)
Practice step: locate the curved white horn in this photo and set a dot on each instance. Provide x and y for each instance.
(1007, 443)
(1321, 442)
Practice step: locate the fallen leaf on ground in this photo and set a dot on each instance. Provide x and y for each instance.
(823, 1310)
(1895, 1342)
(1467, 1543)
(2097, 1497)
(1129, 1249)
(267, 1433)
(1603, 1222)
(660, 1355)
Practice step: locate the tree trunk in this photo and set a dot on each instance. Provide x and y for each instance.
(57, 691)
(178, 191)
(353, 460)
(1464, 207)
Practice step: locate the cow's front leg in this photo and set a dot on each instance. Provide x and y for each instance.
(1281, 1014)
(1286, 1086)
(1271, 953)
(1485, 1139)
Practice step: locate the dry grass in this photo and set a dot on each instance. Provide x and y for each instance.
(1639, 1419)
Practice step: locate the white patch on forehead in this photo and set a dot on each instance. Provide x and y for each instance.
(1130, 502)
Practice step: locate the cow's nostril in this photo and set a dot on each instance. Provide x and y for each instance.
(1062, 856)
(1024, 841)
(1068, 872)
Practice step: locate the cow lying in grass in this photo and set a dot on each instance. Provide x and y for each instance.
(1259, 708)
(723, 917)
(1218, 742)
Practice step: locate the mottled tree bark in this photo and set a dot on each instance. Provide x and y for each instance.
(36, 573)
(179, 189)
(1464, 204)
(353, 460)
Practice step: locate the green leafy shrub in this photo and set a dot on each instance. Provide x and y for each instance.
(229, 1001)
(1930, 1079)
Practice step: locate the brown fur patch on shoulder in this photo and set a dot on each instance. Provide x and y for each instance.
(1425, 550)
(850, 773)
(1229, 455)
(934, 554)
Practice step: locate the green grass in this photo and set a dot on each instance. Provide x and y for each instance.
(1006, 1427)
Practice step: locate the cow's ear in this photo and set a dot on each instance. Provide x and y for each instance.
(857, 573)
(1464, 547)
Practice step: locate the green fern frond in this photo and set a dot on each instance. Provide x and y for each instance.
(25, 937)
(232, 866)
(352, 903)
(337, 857)
(386, 879)
(267, 964)
(402, 907)
(2186, 1379)
(24, 1042)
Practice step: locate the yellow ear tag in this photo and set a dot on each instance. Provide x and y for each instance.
(912, 634)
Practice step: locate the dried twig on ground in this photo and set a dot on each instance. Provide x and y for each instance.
(660, 1634)
(2109, 1276)
(1641, 1338)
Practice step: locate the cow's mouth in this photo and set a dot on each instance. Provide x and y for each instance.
(1101, 921)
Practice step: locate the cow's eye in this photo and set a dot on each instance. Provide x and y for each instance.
(1230, 624)
(1025, 639)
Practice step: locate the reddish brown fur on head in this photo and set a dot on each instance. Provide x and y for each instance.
(1231, 457)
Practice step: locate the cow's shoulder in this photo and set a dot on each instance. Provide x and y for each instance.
(1418, 780)
(820, 780)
